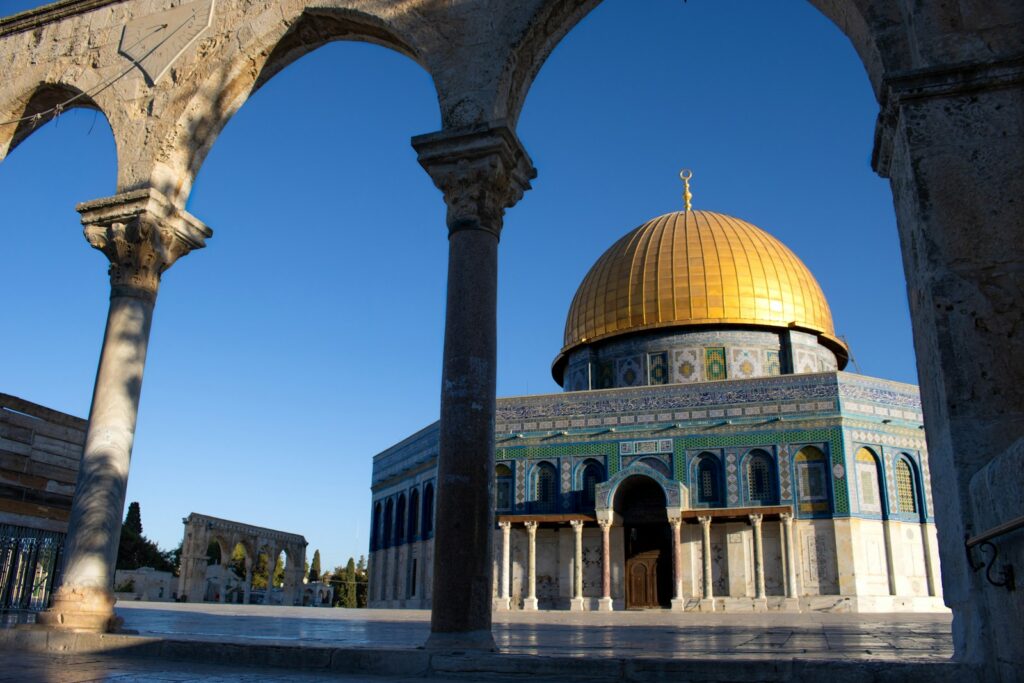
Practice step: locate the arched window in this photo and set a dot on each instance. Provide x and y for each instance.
(428, 510)
(375, 529)
(503, 487)
(389, 517)
(414, 514)
(544, 487)
(906, 490)
(708, 481)
(760, 471)
(400, 521)
(869, 481)
(812, 484)
(593, 474)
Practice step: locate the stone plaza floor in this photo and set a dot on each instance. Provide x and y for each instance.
(655, 633)
(739, 642)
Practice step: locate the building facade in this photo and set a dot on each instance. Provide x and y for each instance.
(708, 453)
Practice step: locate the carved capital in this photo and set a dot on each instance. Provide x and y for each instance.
(705, 520)
(577, 525)
(531, 527)
(755, 519)
(142, 234)
(605, 524)
(786, 517)
(481, 170)
(505, 526)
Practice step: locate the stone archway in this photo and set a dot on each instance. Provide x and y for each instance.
(647, 547)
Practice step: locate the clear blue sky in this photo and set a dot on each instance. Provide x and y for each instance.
(307, 336)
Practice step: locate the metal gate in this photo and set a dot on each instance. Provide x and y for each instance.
(30, 560)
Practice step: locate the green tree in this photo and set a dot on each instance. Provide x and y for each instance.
(344, 582)
(135, 550)
(362, 582)
(314, 570)
(134, 518)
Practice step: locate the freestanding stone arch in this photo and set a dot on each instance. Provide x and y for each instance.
(201, 530)
(949, 78)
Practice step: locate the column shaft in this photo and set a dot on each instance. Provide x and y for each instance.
(606, 566)
(530, 602)
(759, 591)
(705, 545)
(787, 549)
(577, 566)
(506, 569)
(678, 601)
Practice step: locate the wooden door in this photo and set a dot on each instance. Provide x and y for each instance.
(642, 580)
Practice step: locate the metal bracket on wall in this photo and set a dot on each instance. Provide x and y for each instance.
(984, 543)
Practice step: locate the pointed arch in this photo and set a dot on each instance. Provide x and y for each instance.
(707, 481)
(544, 487)
(760, 478)
(870, 483)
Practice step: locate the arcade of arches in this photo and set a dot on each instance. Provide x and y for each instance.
(949, 79)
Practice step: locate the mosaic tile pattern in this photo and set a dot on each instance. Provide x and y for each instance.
(714, 363)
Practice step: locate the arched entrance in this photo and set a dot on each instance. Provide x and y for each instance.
(647, 542)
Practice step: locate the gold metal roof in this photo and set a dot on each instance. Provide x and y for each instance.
(696, 268)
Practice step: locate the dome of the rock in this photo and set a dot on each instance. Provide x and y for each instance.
(696, 270)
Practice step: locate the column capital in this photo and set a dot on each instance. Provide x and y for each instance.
(531, 527)
(482, 170)
(755, 518)
(705, 520)
(576, 524)
(605, 524)
(505, 525)
(676, 523)
(143, 234)
(786, 517)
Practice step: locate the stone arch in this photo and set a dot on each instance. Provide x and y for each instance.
(871, 486)
(605, 491)
(413, 529)
(707, 477)
(389, 521)
(544, 486)
(47, 99)
(554, 20)
(760, 477)
(428, 510)
(813, 479)
(375, 527)
(907, 482)
(400, 513)
(225, 90)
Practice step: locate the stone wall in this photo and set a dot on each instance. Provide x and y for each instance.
(40, 452)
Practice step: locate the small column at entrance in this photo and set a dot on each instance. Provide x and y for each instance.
(707, 603)
(678, 601)
(760, 600)
(530, 601)
(605, 604)
(504, 603)
(576, 604)
(790, 561)
(142, 234)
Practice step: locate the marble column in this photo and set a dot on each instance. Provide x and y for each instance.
(787, 550)
(481, 171)
(142, 234)
(759, 592)
(576, 604)
(707, 603)
(530, 601)
(504, 601)
(678, 600)
(605, 604)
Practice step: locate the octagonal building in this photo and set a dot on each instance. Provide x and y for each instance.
(708, 453)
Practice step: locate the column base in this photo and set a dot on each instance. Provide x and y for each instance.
(576, 605)
(678, 604)
(501, 604)
(82, 609)
(529, 604)
(467, 640)
(604, 605)
(706, 605)
(791, 605)
(760, 604)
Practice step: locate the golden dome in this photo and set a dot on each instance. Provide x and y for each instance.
(696, 268)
